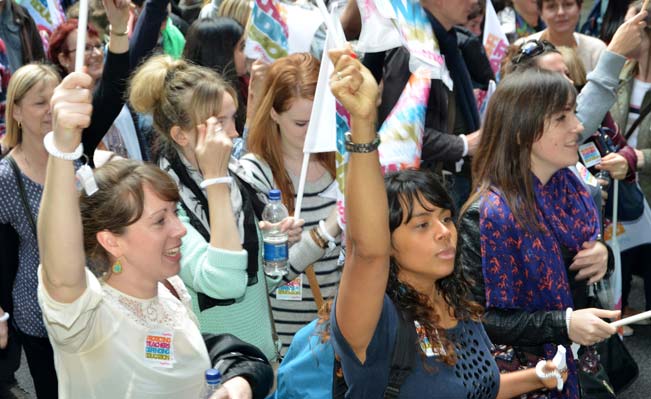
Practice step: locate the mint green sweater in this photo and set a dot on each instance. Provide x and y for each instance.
(221, 274)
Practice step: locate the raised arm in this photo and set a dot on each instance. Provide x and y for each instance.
(218, 268)
(109, 96)
(60, 239)
(598, 95)
(365, 274)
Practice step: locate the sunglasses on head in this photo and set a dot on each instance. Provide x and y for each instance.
(531, 49)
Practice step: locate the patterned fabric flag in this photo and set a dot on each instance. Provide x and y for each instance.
(495, 41)
(343, 126)
(416, 34)
(268, 31)
(277, 29)
(378, 33)
(47, 14)
(388, 24)
(401, 134)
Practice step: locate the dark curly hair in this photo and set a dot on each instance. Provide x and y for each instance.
(404, 189)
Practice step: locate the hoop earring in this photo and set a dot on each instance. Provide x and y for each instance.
(20, 125)
(117, 267)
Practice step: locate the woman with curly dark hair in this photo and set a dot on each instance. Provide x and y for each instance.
(401, 265)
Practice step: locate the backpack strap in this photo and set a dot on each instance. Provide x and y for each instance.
(402, 361)
(404, 353)
(251, 243)
(339, 386)
(643, 113)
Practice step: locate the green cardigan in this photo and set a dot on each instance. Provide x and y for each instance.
(221, 274)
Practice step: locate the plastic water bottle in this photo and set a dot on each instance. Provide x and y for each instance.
(213, 383)
(275, 241)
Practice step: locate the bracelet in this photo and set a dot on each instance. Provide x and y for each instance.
(568, 318)
(4, 317)
(318, 240)
(216, 180)
(323, 232)
(112, 32)
(361, 148)
(48, 143)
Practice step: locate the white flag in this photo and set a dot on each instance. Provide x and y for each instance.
(322, 132)
(495, 41)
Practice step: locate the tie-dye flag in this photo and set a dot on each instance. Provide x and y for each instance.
(495, 41)
(47, 14)
(401, 134)
(378, 33)
(268, 31)
(341, 157)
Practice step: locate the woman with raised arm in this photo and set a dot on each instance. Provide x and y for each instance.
(179, 96)
(28, 119)
(126, 329)
(400, 264)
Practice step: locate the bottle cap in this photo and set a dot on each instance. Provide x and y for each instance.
(274, 195)
(213, 376)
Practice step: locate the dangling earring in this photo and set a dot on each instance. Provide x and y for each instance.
(117, 267)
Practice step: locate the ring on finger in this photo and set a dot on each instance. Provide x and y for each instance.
(339, 75)
(218, 129)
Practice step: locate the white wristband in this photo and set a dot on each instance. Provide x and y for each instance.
(324, 233)
(568, 318)
(216, 180)
(4, 317)
(48, 143)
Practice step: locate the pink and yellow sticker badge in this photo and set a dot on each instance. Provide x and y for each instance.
(292, 291)
(159, 348)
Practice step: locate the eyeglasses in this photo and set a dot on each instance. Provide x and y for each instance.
(531, 49)
(90, 48)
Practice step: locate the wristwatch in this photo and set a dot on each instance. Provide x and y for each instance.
(363, 148)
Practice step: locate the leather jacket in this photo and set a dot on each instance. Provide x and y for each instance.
(516, 327)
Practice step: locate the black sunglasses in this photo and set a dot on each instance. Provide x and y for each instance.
(531, 49)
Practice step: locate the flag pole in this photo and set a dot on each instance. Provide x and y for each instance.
(330, 26)
(81, 35)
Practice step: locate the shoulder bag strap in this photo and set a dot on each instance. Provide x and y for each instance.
(23, 195)
(643, 114)
(404, 353)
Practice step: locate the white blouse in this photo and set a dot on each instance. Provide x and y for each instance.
(111, 345)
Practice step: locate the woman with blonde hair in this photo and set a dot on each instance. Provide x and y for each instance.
(28, 118)
(275, 141)
(229, 294)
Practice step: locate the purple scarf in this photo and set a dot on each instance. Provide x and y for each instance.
(526, 271)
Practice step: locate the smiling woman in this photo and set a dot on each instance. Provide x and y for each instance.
(127, 330)
(530, 224)
(561, 18)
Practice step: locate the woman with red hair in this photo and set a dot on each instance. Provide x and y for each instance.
(114, 125)
(275, 140)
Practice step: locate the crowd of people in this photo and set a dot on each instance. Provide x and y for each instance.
(132, 193)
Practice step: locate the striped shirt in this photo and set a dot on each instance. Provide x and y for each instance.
(291, 315)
